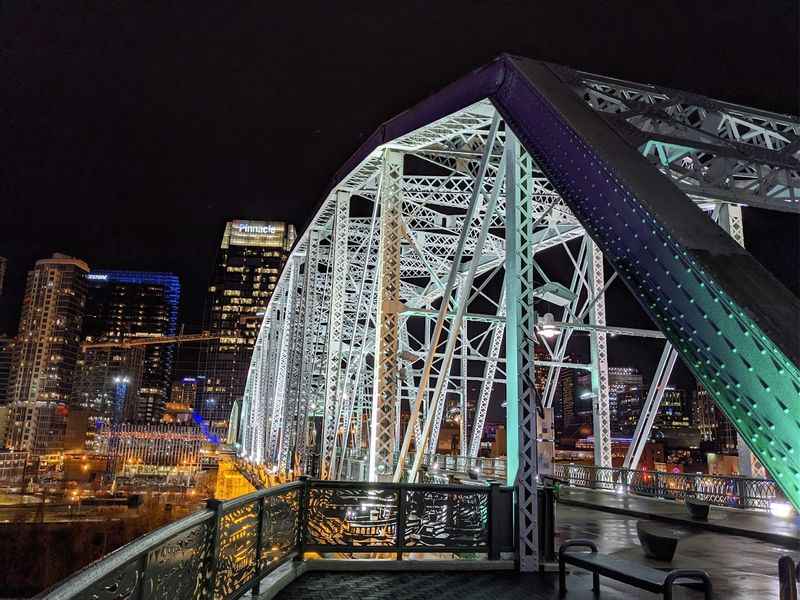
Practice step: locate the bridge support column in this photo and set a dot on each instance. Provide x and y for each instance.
(729, 217)
(601, 418)
(381, 448)
(285, 355)
(521, 410)
(333, 398)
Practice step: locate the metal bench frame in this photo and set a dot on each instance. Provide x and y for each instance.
(620, 575)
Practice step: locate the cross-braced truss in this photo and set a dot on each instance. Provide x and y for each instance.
(389, 320)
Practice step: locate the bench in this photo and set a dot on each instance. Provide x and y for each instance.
(697, 510)
(635, 574)
(657, 542)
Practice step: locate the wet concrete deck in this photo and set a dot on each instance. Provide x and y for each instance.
(732, 521)
(740, 568)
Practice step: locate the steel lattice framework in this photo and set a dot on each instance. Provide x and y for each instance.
(423, 259)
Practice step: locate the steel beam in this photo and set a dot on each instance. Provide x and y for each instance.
(333, 367)
(387, 321)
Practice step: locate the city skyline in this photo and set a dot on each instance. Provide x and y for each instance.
(466, 286)
(164, 164)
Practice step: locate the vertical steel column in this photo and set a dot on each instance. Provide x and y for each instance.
(729, 217)
(284, 355)
(521, 410)
(338, 263)
(387, 330)
(462, 437)
(601, 418)
(301, 349)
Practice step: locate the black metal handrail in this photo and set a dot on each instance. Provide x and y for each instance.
(718, 490)
(224, 551)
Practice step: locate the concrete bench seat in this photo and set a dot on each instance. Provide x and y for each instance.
(657, 542)
(697, 510)
(625, 571)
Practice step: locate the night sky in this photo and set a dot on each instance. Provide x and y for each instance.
(131, 131)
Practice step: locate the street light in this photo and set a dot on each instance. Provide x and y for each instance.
(545, 326)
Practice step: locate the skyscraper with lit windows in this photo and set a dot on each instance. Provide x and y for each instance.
(45, 353)
(122, 305)
(248, 264)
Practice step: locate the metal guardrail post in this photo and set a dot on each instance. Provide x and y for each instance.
(216, 506)
(259, 547)
(140, 594)
(546, 498)
(787, 579)
(302, 518)
(494, 506)
(401, 520)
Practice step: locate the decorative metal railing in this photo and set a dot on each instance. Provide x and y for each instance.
(718, 490)
(492, 468)
(735, 492)
(224, 551)
(355, 467)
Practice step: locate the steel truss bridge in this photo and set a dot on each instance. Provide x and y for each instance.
(430, 257)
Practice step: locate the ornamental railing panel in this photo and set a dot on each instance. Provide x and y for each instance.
(223, 552)
(717, 490)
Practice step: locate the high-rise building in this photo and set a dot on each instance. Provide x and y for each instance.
(716, 430)
(621, 380)
(184, 391)
(6, 348)
(97, 376)
(249, 261)
(45, 353)
(672, 411)
(122, 305)
(630, 402)
(3, 266)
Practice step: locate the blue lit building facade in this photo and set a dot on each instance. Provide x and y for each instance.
(123, 305)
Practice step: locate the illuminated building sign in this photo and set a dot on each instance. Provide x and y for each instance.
(97, 276)
(257, 229)
(263, 234)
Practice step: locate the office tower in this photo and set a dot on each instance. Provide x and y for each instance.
(630, 403)
(123, 306)
(672, 412)
(6, 348)
(3, 267)
(716, 430)
(184, 391)
(565, 399)
(621, 379)
(249, 261)
(45, 353)
(98, 373)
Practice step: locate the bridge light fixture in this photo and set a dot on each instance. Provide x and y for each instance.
(546, 327)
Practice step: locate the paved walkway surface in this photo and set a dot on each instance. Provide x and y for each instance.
(436, 586)
(740, 568)
(760, 526)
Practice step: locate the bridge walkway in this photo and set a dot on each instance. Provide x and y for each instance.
(740, 568)
(731, 521)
